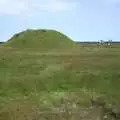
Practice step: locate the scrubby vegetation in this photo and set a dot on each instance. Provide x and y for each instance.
(34, 77)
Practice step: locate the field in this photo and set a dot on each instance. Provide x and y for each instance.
(37, 78)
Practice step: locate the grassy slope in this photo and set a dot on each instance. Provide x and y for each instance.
(96, 69)
(34, 78)
(40, 39)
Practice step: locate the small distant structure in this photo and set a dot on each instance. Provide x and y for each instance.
(100, 42)
(109, 42)
(106, 43)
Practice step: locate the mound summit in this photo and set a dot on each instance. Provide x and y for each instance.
(41, 38)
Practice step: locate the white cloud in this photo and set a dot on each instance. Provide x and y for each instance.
(19, 7)
(12, 7)
(56, 5)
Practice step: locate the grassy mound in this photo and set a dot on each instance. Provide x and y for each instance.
(40, 39)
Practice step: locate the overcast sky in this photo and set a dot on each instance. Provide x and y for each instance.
(79, 19)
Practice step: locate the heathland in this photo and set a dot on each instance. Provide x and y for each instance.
(38, 68)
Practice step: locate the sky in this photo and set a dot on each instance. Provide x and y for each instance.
(81, 20)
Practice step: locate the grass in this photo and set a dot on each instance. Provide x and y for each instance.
(25, 72)
(42, 78)
(42, 39)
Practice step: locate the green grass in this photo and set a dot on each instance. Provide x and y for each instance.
(25, 72)
(42, 78)
(40, 39)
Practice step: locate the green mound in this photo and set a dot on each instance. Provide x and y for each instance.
(40, 39)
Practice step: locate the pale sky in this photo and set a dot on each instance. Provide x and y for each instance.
(82, 20)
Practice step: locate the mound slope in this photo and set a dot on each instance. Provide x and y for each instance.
(40, 39)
